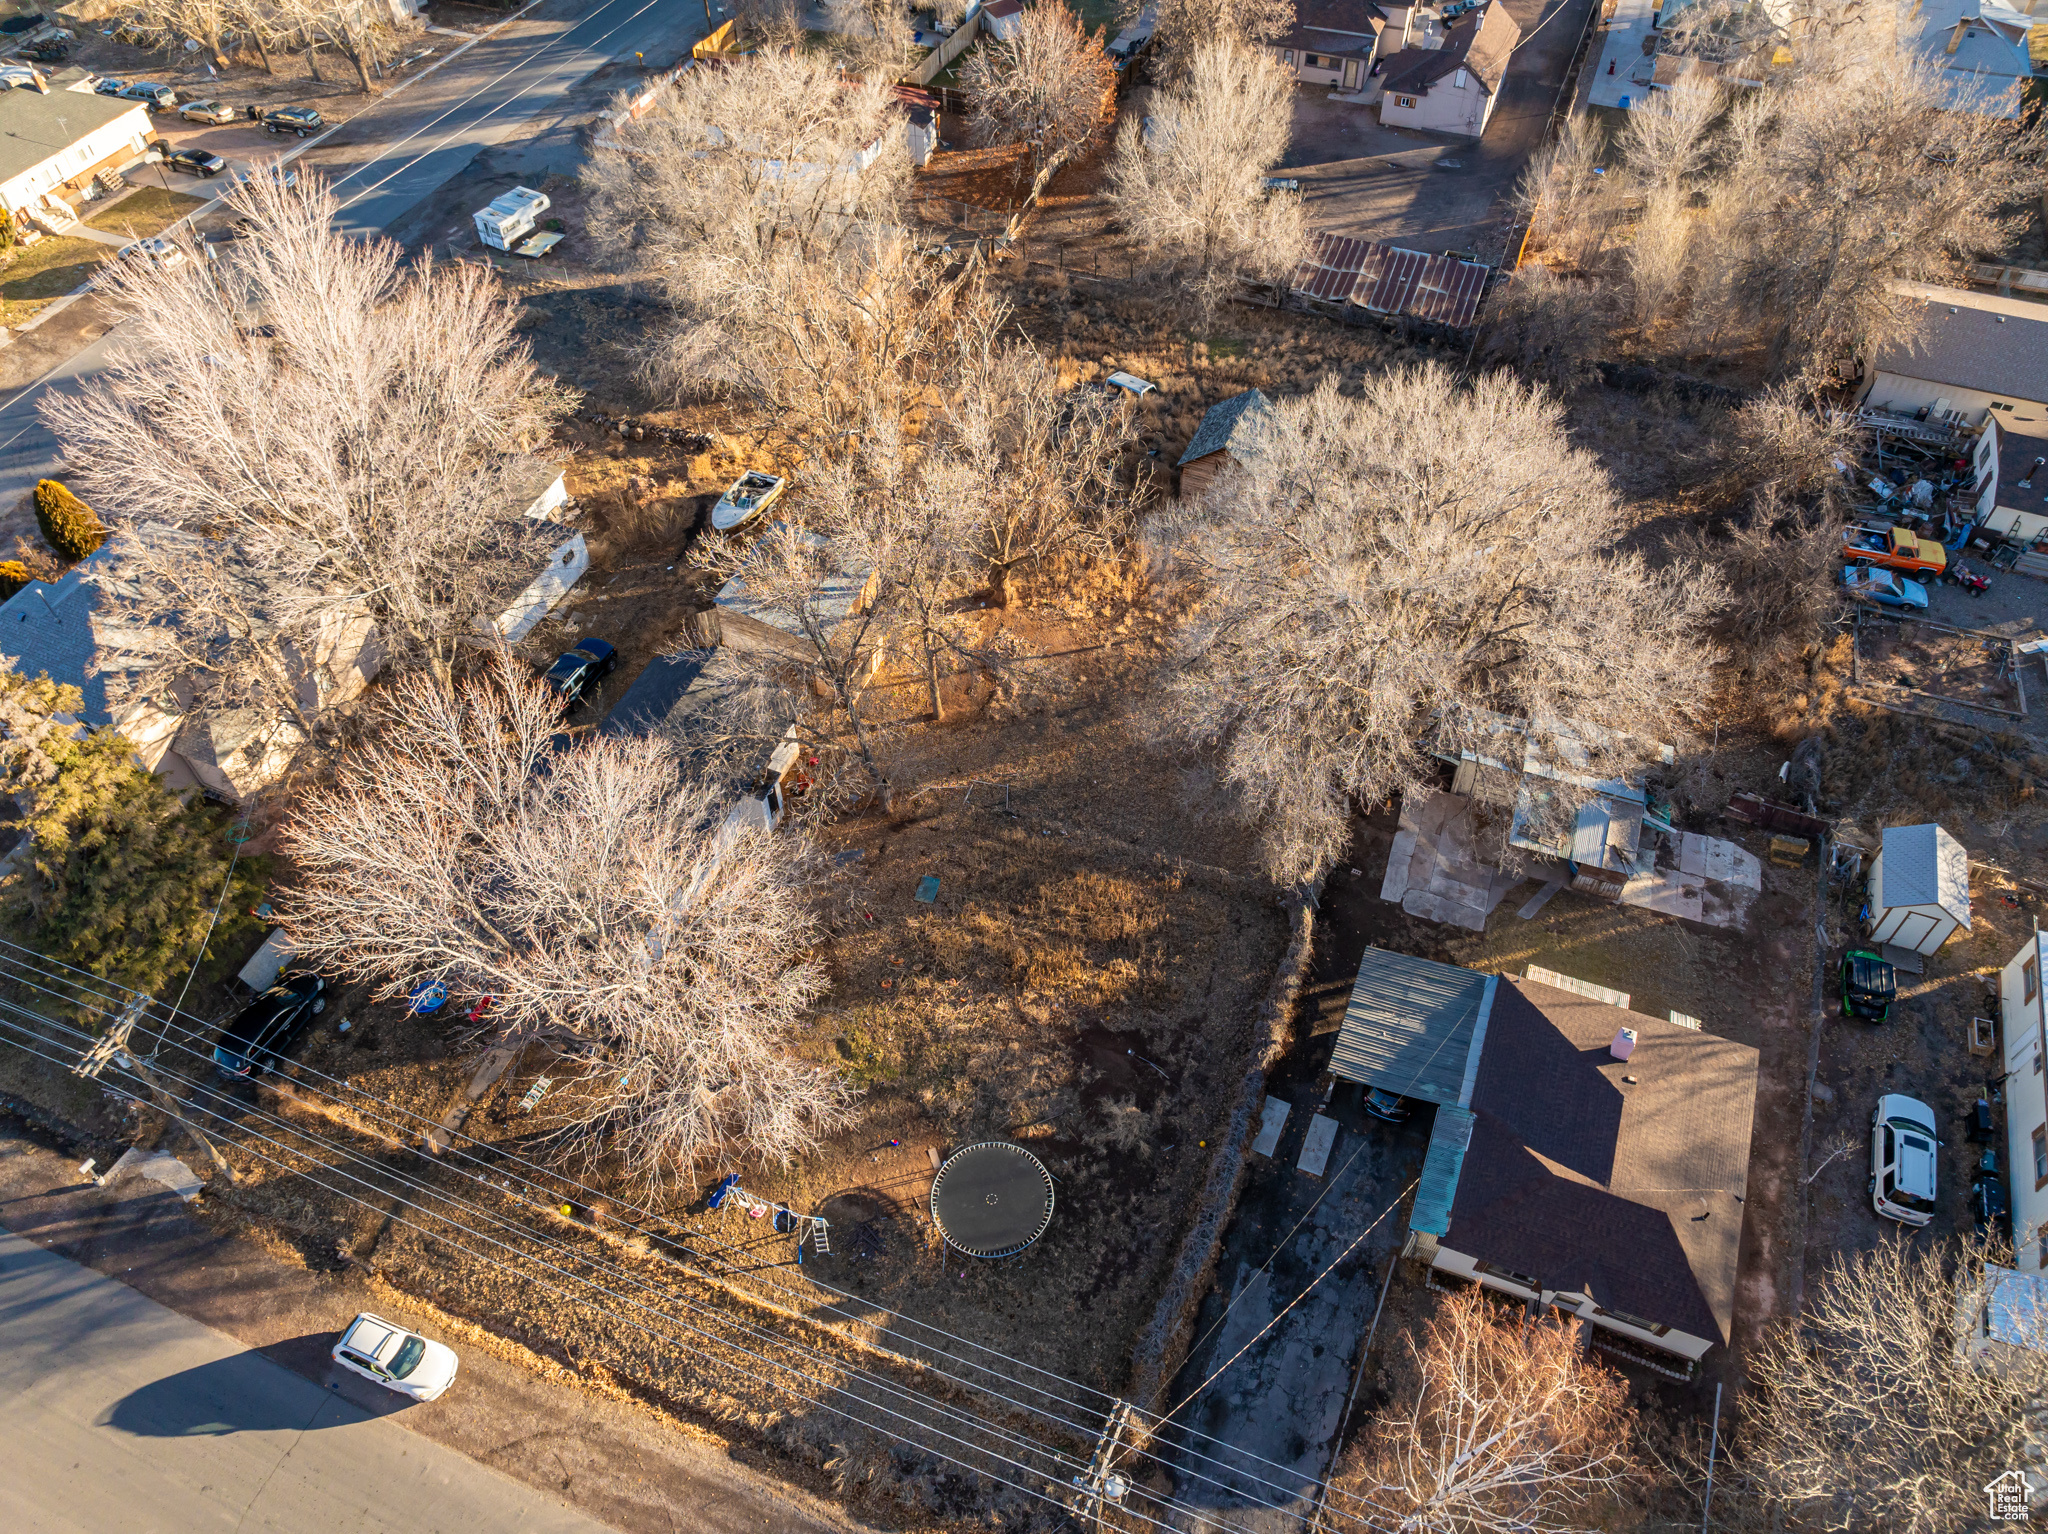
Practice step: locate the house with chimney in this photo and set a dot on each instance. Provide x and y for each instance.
(1447, 77)
(1584, 1158)
(56, 136)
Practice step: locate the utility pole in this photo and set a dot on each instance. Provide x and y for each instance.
(1101, 1485)
(112, 1048)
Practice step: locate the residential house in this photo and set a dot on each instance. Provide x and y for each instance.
(840, 597)
(1974, 375)
(69, 631)
(1332, 42)
(1980, 48)
(1919, 889)
(2023, 1025)
(1584, 1158)
(1452, 88)
(53, 142)
(1223, 431)
(692, 699)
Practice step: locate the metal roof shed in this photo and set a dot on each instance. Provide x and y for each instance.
(1919, 888)
(1414, 1027)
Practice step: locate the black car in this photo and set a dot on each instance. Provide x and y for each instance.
(1869, 986)
(577, 671)
(1990, 1206)
(303, 121)
(194, 162)
(269, 1026)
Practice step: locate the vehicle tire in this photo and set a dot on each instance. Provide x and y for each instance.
(319, 1005)
(305, 133)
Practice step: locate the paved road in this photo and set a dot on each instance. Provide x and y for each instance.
(391, 156)
(436, 127)
(126, 1418)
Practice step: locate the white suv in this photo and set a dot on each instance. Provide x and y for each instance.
(1903, 1150)
(400, 1360)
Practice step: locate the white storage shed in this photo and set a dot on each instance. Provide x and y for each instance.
(1919, 888)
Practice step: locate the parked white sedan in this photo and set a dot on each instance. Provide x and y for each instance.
(400, 1360)
(1902, 1159)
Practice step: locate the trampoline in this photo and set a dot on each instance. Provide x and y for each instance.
(992, 1199)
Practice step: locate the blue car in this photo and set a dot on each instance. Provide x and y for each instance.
(1888, 588)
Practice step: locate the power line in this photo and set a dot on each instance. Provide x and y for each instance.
(1022, 1445)
(1238, 1472)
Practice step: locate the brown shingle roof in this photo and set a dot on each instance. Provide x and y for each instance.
(1338, 27)
(1480, 43)
(1627, 1192)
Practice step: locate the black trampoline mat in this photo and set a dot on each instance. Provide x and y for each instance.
(992, 1199)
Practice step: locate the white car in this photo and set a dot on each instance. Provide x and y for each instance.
(1903, 1152)
(400, 1360)
(751, 494)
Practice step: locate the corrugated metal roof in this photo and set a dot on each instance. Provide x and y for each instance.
(1924, 865)
(1410, 1026)
(1330, 269)
(1438, 1188)
(1389, 280)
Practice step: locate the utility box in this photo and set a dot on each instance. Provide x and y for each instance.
(510, 218)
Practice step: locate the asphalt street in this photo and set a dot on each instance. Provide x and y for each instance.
(393, 154)
(127, 1418)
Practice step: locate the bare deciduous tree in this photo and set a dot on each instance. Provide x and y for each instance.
(1791, 218)
(818, 591)
(904, 512)
(335, 438)
(762, 197)
(1385, 574)
(1183, 27)
(777, 24)
(595, 895)
(1048, 87)
(1511, 1431)
(1047, 463)
(1190, 188)
(1874, 1411)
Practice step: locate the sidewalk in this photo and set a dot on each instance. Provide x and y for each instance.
(524, 1417)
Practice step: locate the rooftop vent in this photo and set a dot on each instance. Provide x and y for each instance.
(1624, 1044)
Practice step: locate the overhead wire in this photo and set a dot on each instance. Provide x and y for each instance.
(476, 1211)
(652, 1332)
(1235, 1467)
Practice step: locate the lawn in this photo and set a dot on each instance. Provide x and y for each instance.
(145, 211)
(49, 269)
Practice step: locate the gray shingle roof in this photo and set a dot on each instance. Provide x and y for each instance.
(1979, 346)
(1220, 426)
(1924, 865)
(30, 129)
(47, 628)
(1411, 1026)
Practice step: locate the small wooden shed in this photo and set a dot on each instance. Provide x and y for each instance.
(1222, 428)
(1919, 888)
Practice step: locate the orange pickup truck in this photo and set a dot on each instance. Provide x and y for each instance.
(1876, 543)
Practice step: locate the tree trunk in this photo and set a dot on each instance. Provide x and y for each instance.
(1001, 586)
(313, 63)
(931, 677)
(262, 50)
(354, 51)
